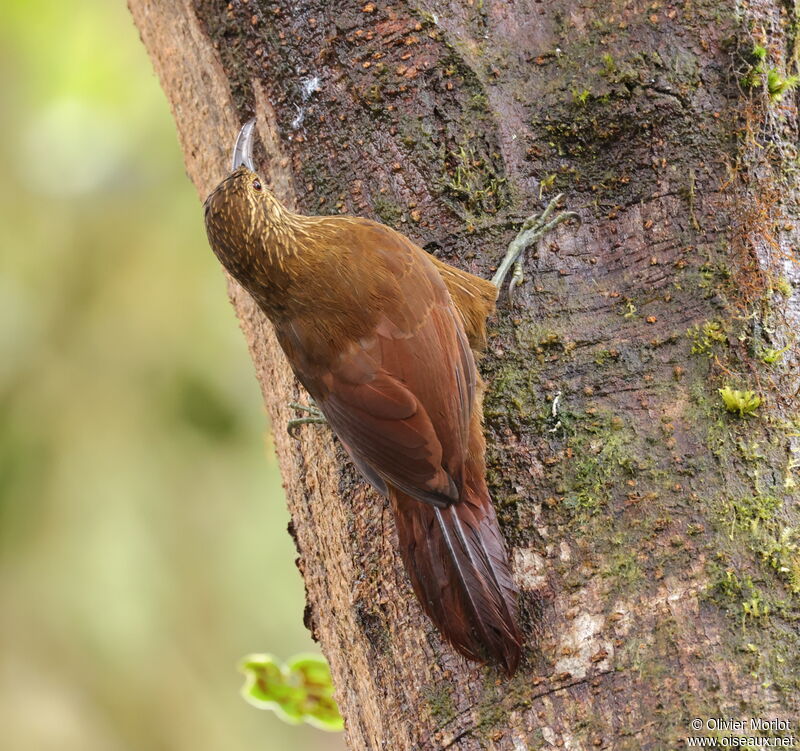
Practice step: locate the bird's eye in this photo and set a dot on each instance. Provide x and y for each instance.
(257, 184)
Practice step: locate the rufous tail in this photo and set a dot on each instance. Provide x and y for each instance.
(458, 567)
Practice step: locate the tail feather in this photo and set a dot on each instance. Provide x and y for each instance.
(458, 567)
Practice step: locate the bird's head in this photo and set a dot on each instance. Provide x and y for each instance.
(242, 216)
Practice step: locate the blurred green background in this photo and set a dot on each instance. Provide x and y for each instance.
(143, 544)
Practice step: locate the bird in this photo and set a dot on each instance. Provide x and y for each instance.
(383, 336)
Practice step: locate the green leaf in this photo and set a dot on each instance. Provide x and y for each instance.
(299, 691)
(770, 355)
(778, 85)
(743, 402)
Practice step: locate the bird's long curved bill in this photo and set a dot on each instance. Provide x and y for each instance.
(243, 148)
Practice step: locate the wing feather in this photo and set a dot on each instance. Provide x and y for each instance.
(400, 398)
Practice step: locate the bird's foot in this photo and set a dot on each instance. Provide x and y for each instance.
(315, 417)
(533, 229)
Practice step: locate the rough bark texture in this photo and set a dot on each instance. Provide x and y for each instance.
(653, 532)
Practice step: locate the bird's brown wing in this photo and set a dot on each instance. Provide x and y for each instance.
(473, 297)
(400, 398)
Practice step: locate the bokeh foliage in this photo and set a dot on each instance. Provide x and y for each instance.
(143, 544)
(301, 690)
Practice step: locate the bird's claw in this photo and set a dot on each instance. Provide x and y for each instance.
(517, 278)
(315, 417)
(533, 229)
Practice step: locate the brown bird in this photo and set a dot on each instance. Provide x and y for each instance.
(379, 333)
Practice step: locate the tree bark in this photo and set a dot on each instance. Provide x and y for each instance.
(653, 533)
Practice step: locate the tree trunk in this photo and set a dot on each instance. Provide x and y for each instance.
(653, 533)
